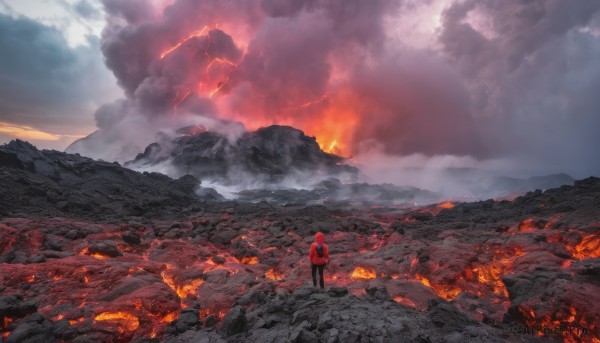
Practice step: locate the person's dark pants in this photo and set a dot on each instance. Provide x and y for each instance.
(314, 274)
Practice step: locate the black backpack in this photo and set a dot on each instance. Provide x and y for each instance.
(320, 250)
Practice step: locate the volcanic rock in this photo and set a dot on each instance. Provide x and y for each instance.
(34, 329)
(105, 249)
(188, 320)
(234, 322)
(50, 182)
(14, 306)
(195, 337)
(131, 238)
(337, 291)
(267, 154)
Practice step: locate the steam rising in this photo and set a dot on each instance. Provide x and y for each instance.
(504, 88)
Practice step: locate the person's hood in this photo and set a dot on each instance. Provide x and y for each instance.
(319, 237)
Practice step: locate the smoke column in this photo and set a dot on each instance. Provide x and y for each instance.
(504, 85)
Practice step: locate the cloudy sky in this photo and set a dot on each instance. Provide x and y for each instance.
(482, 79)
(52, 71)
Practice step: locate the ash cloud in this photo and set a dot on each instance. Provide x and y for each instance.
(531, 73)
(507, 81)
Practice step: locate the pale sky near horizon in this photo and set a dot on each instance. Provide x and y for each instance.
(47, 123)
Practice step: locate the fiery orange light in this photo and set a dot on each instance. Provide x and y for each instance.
(27, 132)
(307, 104)
(180, 97)
(249, 260)
(588, 248)
(446, 205)
(414, 262)
(125, 320)
(99, 256)
(219, 61)
(405, 301)
(190, 36)
(492, 275)
(220, 314)
(218, 88)
(75, 321)
(169, 317)
(527, 225)
(183, 290)
(272, 274)
(448, 292)
(363, 273)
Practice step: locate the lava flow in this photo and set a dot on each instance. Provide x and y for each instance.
(138, 278)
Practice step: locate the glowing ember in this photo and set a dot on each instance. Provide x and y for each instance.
(527, 225)
(272, 274)
(100, 256)
(183, 290)
(448, 292)
(405, 301)
(588, 248)
(446, 205)
(169, 317)
(76, 321)
(125, 320)
(249, 260)
(363, 273)
(491, 275)
(85, 251)
(414, 262)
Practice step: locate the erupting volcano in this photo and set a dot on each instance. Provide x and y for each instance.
(410, 155)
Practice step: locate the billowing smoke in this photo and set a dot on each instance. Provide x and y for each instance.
(507, 81)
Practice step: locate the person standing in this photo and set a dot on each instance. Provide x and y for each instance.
(319, 256)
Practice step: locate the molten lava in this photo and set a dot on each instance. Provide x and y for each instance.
(446, 205)
(363, 273)
(272, 274)
(446, 291)
(184, 289)
(405, 301)
(249, 260)
(588, 248)
(124, 320)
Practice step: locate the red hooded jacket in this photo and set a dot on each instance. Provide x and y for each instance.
(314, 257)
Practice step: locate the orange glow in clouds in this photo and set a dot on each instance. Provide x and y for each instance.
(330, 117)
(26, 132)
(190, 36)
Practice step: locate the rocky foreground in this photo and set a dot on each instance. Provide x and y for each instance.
(105, 254)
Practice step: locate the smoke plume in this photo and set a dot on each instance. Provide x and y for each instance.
(495, 81)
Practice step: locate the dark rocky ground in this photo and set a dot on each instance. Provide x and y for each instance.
(93, 252)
